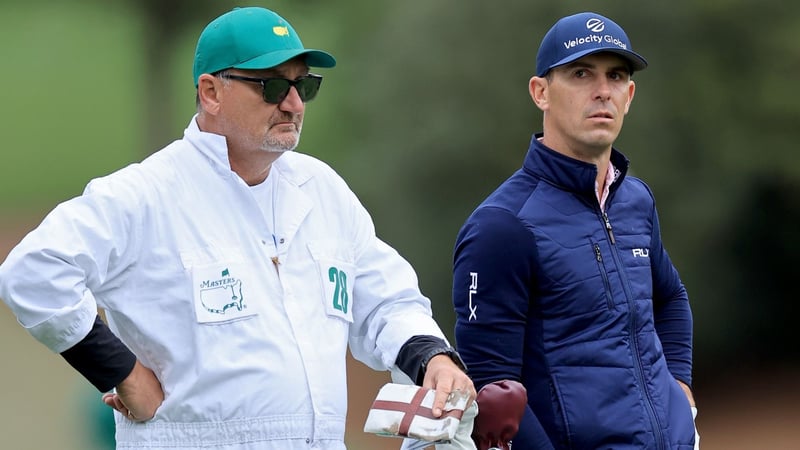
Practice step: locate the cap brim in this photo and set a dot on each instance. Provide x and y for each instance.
(314, 58)
(636, 60)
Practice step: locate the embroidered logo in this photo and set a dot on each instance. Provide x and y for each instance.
(641, 253)
(595, 24)
(222, 294)
(280, 31)
(473, 289)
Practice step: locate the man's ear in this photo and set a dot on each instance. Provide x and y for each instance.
(209, 93)
(631, 91)
(538, 89)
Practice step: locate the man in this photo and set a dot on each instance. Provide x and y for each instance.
(561, 280)
(233, 272)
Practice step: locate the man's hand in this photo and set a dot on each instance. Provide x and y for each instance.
(689, 395)
(138, 396)
(444, 376)
(688, 392)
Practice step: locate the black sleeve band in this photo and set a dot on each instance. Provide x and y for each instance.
(101, 357)
(415, 354)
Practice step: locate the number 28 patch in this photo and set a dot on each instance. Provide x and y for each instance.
(337, 282)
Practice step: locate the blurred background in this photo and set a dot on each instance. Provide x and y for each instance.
(425, 114)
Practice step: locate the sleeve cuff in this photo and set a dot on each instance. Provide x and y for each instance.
(101, 357)
(417, 352)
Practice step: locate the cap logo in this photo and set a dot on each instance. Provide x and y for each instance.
(595, 24)
(280, 31)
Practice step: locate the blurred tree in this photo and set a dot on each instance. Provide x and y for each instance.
(164, 23)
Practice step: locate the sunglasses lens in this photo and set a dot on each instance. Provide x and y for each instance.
(275, 90)
(308, 88)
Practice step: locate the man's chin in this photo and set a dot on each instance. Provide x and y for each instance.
(279, 148)
(282, 145)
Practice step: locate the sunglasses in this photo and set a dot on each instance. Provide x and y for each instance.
(275, 90)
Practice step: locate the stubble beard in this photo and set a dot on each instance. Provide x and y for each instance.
(279, 139)
(281, 142)
(275, 140)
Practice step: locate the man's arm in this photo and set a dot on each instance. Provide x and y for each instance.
(107, 363)
(50, 279)
(101, 357)
(492, 276)
(491, 281)
(672, 312)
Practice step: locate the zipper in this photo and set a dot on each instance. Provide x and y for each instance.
(639, 370)
(604, 275)
(608, 227)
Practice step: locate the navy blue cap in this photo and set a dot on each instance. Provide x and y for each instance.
(582, 34)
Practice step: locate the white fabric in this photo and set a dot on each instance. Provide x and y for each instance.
(461, 441)
(696, 434)
(463, 438)
(178, 253)
(387, 422)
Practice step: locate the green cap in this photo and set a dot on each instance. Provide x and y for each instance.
(251, 38)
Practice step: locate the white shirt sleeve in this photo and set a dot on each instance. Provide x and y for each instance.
(50, 279)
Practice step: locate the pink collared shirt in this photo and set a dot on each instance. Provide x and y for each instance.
(611, 175)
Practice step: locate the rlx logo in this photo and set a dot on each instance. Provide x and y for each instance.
(641, 253)
(473, 289)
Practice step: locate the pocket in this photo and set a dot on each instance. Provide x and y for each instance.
(601, 267)
(221, 283)
(681, 420)
(336, 274)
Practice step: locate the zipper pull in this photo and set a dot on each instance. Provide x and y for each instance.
(608, 227)
(276, 262)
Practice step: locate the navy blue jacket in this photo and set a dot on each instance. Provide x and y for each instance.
(583, 307)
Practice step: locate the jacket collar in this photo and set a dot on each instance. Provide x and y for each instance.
(568, 173)
(212, 146)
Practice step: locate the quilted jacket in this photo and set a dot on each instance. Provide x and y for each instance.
(580, 304)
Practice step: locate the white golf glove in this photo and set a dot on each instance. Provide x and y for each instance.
(696, 435)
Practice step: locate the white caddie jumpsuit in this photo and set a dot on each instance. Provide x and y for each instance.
(176, 250)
